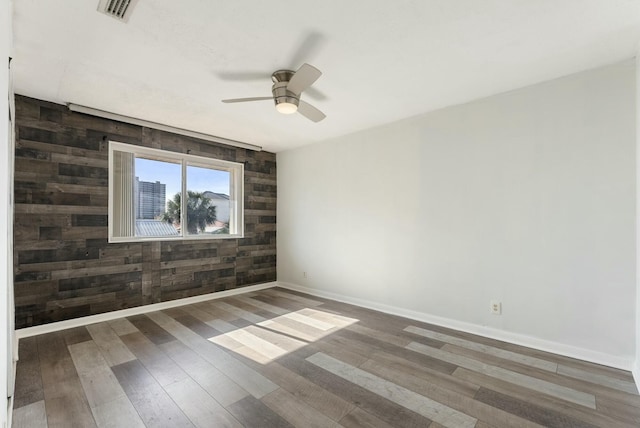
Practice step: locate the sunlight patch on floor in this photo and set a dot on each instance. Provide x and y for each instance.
(271, 339)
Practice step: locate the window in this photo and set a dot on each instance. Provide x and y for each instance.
(146, 195)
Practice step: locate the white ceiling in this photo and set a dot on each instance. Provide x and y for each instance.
(382, 61)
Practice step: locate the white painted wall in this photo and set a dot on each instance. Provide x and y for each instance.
(527, 197)
(6, 264)
(636, 367)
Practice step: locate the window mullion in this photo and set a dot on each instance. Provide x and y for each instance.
(183, 200)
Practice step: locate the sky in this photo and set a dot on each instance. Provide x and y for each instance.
(198, 179)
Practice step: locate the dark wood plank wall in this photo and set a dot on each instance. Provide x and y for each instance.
(65, 268)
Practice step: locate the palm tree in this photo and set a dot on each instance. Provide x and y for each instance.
(200, 212)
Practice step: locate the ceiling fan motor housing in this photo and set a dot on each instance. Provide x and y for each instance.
(281, 95)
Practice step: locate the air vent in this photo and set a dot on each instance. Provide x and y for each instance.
(118, 9)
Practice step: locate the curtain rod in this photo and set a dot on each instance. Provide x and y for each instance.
(141, 122)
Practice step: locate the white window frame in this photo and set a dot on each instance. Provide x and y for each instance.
(236, 190)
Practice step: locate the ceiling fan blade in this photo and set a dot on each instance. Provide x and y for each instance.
(310, 112)
(244, 100)
(303, 78)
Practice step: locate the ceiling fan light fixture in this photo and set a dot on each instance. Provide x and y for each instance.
(286, 107)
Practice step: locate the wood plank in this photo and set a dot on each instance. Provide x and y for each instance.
(65, 400)
(538, 414)
(199, 406)
(293, 328)
(291, 296)
(555, 390)
(418, 403)
(249, 379)
(358, 418)
(600, 379)
(161, 367)
(573, 410)
(117, 414)
(388, 411)
(152, 403)
(98, 381)
(115, 352)
(217, 384)
(617, 410)
(240, 313)
(28, 383)
(295, 411)
(501, 353)
(33, 415)
(262, 305)
(425, 374)
(451, 399)
(122, 326)
(153, 331)
(313, 395)
(251, 412)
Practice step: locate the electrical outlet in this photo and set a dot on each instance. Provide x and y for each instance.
(496, 307)
(304, 275)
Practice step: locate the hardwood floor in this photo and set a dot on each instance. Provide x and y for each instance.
(277, 358)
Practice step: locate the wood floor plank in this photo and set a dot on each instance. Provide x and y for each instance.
(425, 374)
(263, 305)
(200, 407)
(538, 414)
(28, 384)
(513, 356)
(114, 351)
(340, 352)
(249, 379)
(76, 335)
(294, 328)
(328, 317)
(369, 344)
(216, 383)
(153, 331)
(598, 378)
(420, 404)
(305, 300)
(215, 311)
(384, 409)
(559, 391)
(153, 404)
(280, 340)
(297, 412)
(322, 400)
(122, 326)
(587, 415)
(283, 302)
(117, 414)
(221, 326)
(313, 322)
(98, 381)
(161, 367)
(65, 401)
(251, 412)
(239, 312)
(32, 415)
(358, 418)
(561, 380)
(621, 411)
(203, 329)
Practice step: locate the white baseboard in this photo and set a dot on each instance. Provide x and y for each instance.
(636, 372)
(492, 333)
(107, 316)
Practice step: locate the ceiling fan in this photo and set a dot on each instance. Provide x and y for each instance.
(287, 88)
